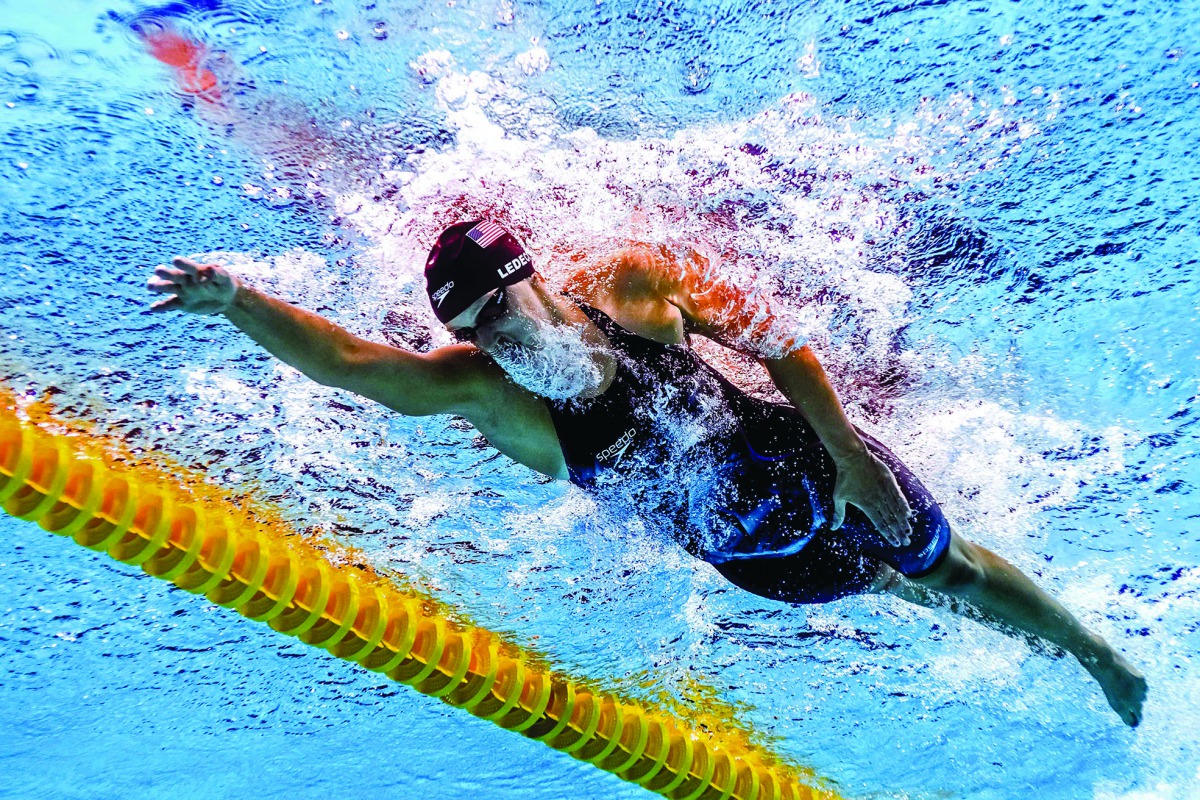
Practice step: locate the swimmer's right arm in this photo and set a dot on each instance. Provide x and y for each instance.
(411, 383)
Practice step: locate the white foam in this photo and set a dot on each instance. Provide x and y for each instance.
(534, 61)
(433, 65)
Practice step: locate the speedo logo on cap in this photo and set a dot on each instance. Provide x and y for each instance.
(441, 293)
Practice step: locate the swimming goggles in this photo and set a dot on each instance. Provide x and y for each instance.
(492, 310)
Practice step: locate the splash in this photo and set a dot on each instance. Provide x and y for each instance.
(560, 366)
(788, 216)
(808, 218)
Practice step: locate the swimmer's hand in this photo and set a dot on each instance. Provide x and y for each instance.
(865, 481)
(195, 288)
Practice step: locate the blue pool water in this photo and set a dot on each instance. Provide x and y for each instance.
(983, 215)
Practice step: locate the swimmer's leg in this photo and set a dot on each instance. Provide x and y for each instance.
(978, 584)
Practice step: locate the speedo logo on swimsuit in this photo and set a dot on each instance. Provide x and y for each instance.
(618, 447)
(933, 542)
(514, 265)
(441, 293)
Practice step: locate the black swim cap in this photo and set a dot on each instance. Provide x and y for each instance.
(469, 260)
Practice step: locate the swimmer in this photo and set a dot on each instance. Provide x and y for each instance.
(598, 385)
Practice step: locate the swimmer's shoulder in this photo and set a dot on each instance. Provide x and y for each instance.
(481, 381)
(631, 285)
(513, 419)
(635, 271)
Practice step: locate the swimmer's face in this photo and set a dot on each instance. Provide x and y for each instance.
(509, 315)
(539, 350)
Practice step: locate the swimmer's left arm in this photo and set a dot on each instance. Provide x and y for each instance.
(862, 480)
(719, 310)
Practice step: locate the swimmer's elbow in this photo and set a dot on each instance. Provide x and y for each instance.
(334, 364)
(412, 384)
(796, 374)
(793, 353)
(327, 377)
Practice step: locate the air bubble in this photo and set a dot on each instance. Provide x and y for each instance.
(18, 67)
(697, 77)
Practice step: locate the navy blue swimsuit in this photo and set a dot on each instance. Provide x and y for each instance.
(741, 483)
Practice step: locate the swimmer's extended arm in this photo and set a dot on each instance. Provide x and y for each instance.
(411, 383)
(721, 311)
(456, 380)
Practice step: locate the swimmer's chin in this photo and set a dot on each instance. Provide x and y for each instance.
(557, 386)
(561, 369)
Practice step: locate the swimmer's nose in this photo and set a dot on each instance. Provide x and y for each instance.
(488, 338)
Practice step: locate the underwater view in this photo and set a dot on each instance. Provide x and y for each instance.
(980, 217)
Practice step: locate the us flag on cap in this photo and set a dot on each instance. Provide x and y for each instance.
(485, 233)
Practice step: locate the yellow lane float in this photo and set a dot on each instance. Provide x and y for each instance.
(207, 545)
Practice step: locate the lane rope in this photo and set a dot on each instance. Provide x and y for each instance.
(208, 546)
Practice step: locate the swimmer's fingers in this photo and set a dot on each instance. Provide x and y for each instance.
(168, 273)
(160, 286)
(868, 484)
(890, 507)
(194, 271)
(839, 510)
(187, 265)
(881, 513)
(896, 533)
(895, 527)
(904, 516)
(898, 511)
(886, 524)
(166, 304)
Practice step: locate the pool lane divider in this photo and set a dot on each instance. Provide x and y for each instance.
(208, 546)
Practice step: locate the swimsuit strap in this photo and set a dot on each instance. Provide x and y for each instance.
(620, 337)
(635, 346)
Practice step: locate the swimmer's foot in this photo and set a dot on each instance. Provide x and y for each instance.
(1124, 686)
